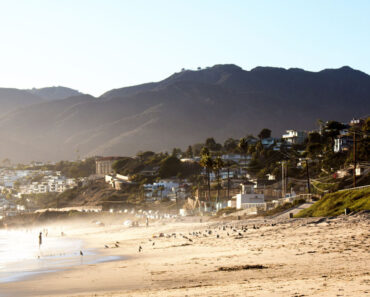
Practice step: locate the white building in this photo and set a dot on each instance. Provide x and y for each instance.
(294, 137)
(161, 189)
(247, 198)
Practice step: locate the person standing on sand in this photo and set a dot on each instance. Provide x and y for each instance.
(40, 239)
(147, 221)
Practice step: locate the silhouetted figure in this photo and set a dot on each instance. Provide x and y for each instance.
(40, 239)
(81, 253)
(140, 248)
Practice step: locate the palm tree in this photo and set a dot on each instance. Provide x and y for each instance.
(243, 147)
(218, 164)
(207, 163)
(228, 164)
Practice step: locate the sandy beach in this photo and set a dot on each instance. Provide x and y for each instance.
(290, 257)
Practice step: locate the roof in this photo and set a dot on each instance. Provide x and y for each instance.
(108, 158)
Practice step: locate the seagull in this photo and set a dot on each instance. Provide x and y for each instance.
(107, 247)
(116, 245)
(81, 253)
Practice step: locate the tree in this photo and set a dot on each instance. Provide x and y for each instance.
(265, 133)
(189, 152)
(243, 147)
(176, 152)
(207, 163)
(212, 145)
(314, 137)
(230, 145)
(217, 165)
(170, 167)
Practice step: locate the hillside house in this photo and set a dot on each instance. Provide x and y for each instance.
(343, 143)
(104, 165)
(248, 198)
(294, 137)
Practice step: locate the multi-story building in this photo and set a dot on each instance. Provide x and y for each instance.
(294, 137)
(104, 165)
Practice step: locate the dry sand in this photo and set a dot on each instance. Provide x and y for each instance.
(302, 257)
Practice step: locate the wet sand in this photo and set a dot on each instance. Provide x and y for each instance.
(300, 257)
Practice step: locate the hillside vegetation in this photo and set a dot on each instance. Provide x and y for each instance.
(333, 204)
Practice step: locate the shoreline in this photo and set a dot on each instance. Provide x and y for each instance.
(301, 257)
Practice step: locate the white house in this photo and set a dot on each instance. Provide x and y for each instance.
(247, 198)
(294, 137)
(164, 187)
(343, 143)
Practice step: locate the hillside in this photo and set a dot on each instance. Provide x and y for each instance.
(11, 99)
(221, 101)
(333, 204)
(54, 93)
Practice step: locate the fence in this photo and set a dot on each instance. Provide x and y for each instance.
(356, 188)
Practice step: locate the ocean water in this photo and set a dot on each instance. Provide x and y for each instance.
(21, 256)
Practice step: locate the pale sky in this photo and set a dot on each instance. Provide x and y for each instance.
(94, 46)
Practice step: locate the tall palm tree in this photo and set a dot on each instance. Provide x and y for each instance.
(207, 163)
(243, 147)
(218, 164)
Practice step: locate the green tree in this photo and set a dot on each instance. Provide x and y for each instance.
(170, 167)
(230, 145)
(243, 147)
(189, 152)
(265, 133)
(212, 145)
(217, 165)
(207, 163)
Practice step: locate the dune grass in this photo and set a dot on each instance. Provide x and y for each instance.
(333, 204)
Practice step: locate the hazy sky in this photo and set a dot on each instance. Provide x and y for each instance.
(94, 46)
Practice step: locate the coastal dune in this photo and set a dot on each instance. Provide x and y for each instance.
(286, 257)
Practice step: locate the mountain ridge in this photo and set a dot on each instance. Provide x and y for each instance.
(220, 101)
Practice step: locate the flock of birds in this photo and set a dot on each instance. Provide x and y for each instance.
(217, 232)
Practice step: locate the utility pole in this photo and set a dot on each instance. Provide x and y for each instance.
(354, 159)
(308, 178)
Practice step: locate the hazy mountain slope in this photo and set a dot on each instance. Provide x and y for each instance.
(54, 93)
(187, 107)
(11, 99)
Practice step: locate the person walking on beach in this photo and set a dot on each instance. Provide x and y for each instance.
(147, 221)
(40, 239)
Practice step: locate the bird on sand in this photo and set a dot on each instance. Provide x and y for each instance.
(81, 253)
